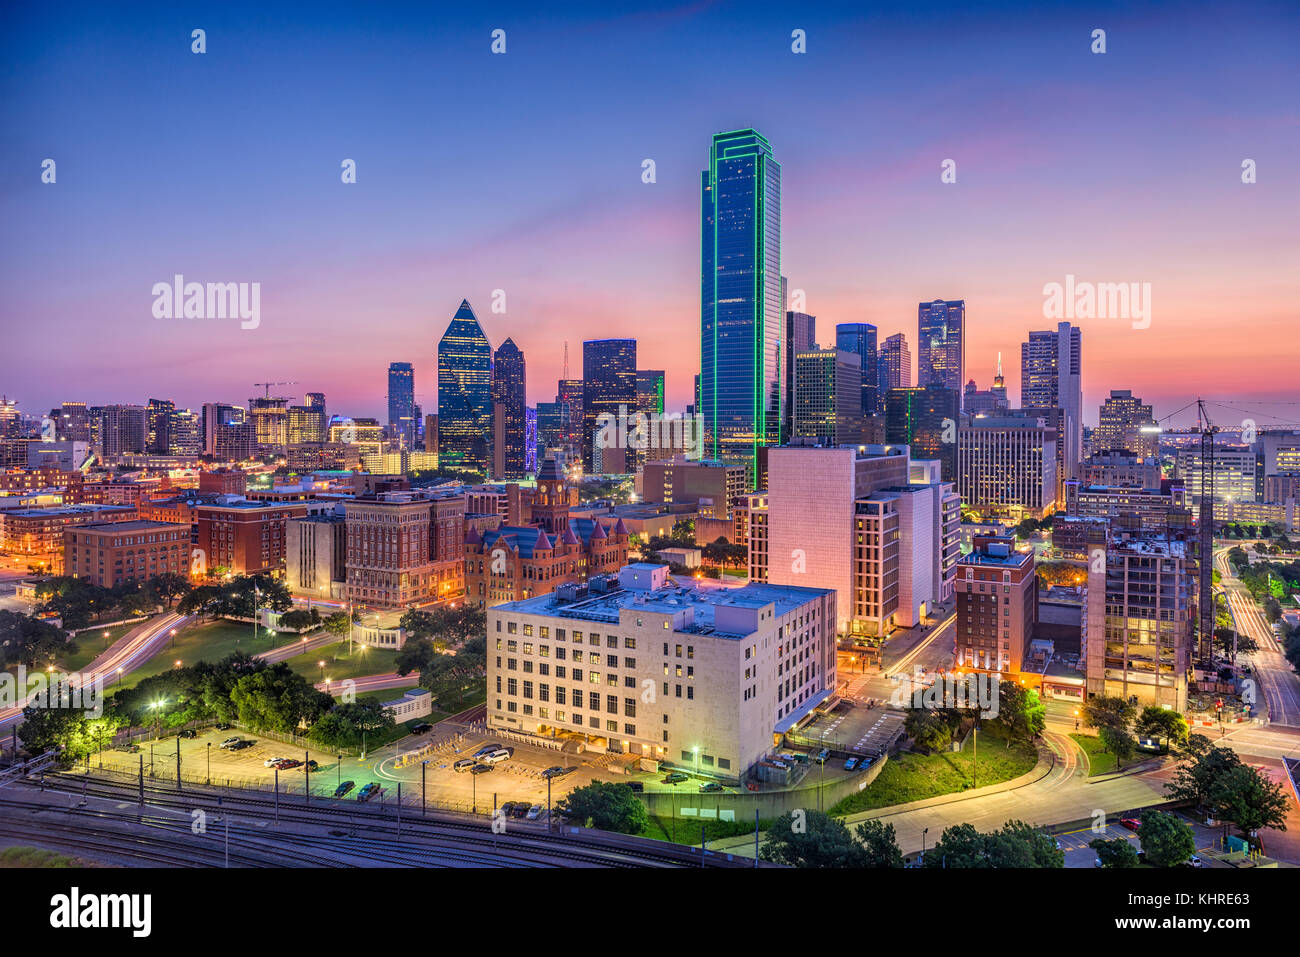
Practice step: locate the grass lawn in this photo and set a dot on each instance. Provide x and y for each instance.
(470, 697)
(91, 644)
(687, 830)
(208, 641)
(361, 663)
(914, 777)
(36, 857)
(1099, 762)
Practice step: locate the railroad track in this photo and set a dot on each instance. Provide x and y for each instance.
(420, 841)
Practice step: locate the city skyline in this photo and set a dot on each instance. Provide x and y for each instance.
(583, 248)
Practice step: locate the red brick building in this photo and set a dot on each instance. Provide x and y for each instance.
(997, 605)
(404, 549)
(245, 537)
(114, 553)
(519, 561)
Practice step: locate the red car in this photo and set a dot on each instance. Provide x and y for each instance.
(287, 763)
(1131, 823)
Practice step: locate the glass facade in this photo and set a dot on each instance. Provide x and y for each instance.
(941, 346)
(742, 349)
(860, 339)
(608, 387)
(508, 378)
(464, 393)
(401, 403)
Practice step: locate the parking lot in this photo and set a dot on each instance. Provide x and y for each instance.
(857, 729)
(1079, 854)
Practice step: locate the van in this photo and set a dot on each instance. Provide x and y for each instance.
(464, 764)
(495, 757)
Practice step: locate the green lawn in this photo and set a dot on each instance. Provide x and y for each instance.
(209, 641)
(1099, 762)
(339, 665)
(687, 830)
(91, 644)
(914, 777)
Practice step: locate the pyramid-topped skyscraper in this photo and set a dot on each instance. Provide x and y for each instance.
(464, 393)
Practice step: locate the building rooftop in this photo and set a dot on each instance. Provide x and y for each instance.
(117, 528)
(673, 598)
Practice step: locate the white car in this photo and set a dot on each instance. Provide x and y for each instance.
(1195, 861)
(534, 812)
(270, 762)
(495, 757)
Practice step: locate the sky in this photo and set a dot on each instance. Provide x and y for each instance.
(522, 172)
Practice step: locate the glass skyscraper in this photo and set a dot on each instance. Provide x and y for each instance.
(608, 387)
(508, 391)
(464, 393)
(742, 317)
(401, 403)
(860, 339)
(941, 344)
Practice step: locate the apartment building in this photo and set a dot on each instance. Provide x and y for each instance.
(997, 605)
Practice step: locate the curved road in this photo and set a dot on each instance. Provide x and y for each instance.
(124, 656)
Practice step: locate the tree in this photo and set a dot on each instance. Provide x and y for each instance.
(1244, 797)
(1119, 742)
(1016, 844)
(1114, 853)
(928, 729)
(338, 624)
(880, 844)
(812, 839)
(1166, 723)
(277, 699)
(1103, 712)
(1166, 840)
(169, 586)
(606, 806)
(31, 642)
(1199, 770)
(299, 619)
(68, 730)
(1021, 714)
(348, 724)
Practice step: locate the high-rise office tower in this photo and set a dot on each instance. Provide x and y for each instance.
(158, 414)
(926, 420)
(650, 391)
(316, 400)
(508, 396)
(1119, 425)
(74, 422)
(742, 382)
(941, 344)
(1050, 371)
(800, 336)
(269, 416)
(608, 388)
(123, 429)
(860, 339)
(185, 436)
(569, 391)
(401, 403)
(464, 392)
(1006, 465)
(828, 397)
(895, 365)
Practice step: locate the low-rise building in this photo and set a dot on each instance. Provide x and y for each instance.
(706, 678)
(117, 552)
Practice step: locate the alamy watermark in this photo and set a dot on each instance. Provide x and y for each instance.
(666, 432)
(977, 690)
(70, 690)
(214, 300)
(1098, 300)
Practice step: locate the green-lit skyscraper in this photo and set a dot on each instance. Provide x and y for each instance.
(464, 393)
(742, 352)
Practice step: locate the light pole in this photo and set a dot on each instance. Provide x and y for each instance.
(924, 832)
(209, 781)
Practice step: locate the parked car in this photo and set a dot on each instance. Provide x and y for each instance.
(1131, 823)
(271, 762)
(480, 768)
(288, 764)
(554, 771)
(487, 749)
(675, 777)
(850, 764)
(229, 741)
(128, 748)
(422, 727)
(187, 733)
(712, 787)
(223, 726)
(240, 745)
(464, 764)
(1096, 862)
(344, 788)
(311, 766)
(368, 791)
(637, 786)
(507, 809)
(495, 757)
(519, 810)
(822, 755)
(535, 812)
(1195, 861)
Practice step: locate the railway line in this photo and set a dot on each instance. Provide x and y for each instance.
(363, 834)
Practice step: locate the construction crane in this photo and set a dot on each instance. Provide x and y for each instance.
(267, 386)
(1205, 532)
